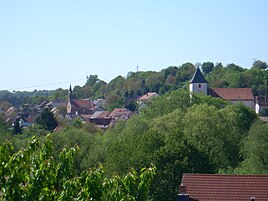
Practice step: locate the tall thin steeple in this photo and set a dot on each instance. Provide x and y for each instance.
(69, 104)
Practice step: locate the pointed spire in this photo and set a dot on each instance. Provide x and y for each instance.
(198, 77)
(70, 89)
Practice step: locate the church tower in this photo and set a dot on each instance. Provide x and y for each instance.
(198, 83)
(69, 104)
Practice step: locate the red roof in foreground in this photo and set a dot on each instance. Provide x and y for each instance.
(235, 94)
(208, 187)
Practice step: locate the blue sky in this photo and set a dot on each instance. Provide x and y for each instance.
(50, 44)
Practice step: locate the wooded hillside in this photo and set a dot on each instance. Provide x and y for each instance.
(120, 91)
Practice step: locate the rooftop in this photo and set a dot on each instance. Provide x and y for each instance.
(147, 96)
(232, 94)
(117, 112)
(217, 187)
(83, 103)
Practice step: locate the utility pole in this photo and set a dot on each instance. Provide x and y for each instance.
(137, 71)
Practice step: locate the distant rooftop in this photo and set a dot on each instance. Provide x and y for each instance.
(147, 96)
(232, 94)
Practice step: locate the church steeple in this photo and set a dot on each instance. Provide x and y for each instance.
(198, 77)
(198, 83)
(70, 89)
(69, 104)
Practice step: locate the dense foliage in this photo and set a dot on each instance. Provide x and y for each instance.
(33, 174)
(47, 120)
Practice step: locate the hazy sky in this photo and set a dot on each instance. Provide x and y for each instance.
(47, 44)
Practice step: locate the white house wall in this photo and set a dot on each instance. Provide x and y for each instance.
(249, 104)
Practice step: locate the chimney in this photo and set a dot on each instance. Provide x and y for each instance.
(182, 196)
(252, 198)
(182, 189)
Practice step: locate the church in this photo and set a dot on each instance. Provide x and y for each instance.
(198, 84)
(80, 106)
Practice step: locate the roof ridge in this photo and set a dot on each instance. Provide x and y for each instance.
(200, 174)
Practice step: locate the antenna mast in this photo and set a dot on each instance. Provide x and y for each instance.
(137, 71)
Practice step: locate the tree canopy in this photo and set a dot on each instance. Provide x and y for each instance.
(47, 120)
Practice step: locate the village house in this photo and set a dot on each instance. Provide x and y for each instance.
(145, 98)
(120, 113)
(198, 84)
(101, 119)
(25, 114)
(105, 119)
(223, 187)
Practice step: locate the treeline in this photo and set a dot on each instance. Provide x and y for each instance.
(121, 91)
(175, 133)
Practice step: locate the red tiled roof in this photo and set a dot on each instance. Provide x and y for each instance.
(83, 103)
(118, 112)
(86, 116)
(100, 115)
(208, 187)
(232, 94)
(147, 96)
(104, 114)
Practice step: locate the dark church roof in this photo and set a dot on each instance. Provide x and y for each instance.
(198, 77)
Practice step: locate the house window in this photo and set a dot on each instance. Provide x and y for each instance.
(199, 85)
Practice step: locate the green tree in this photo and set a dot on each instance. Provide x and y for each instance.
(4, 105)
(3, 124)
(171, 70)
(17, 128)
(33, 174)
(47, 120)
(264, 112)
(165, 104)
(92, 79)
(255, 150)
(159, 141)
(76, 135)
(204, 129)
(114, 101)
(185, 72)
(4, 132)
(207, 67)
(259, 64)
(59, 94)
